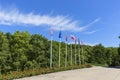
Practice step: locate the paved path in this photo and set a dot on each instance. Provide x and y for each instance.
(94, 73)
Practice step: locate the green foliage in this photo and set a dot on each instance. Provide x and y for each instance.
(4, 54)
(35, 71)
(99, 54)
(22, 54)
(116, 56)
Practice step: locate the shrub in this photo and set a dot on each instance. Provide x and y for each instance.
(32, 72)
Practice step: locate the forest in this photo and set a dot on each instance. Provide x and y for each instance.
(22, 51)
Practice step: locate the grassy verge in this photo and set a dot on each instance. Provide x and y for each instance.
(32, 72)
(95, 64)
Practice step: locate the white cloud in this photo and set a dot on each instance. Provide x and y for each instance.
(93, 22)
(91, 32)
(14, 17)
(91, 44)
(85, 43)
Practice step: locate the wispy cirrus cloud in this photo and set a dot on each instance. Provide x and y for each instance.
(91, 44)
(85, 43)
(91, 32)
(15, 17)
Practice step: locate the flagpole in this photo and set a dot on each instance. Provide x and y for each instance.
(75, 53)
(51, 36)
(51, 53)
(71, 54)
(82, 55)
(66, 56)
(59, 51)
(79, 55)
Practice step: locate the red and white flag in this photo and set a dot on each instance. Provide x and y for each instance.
(73, 38)
(51, 32)
(66, 37)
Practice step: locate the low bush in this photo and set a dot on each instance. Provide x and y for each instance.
(33, 72)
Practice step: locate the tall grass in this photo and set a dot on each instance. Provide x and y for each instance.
(32, 72)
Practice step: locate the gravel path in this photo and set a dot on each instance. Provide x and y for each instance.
(94, 73)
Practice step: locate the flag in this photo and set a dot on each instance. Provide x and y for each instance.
(66, 37)
(73, 38)
(51, 32)
(60, 36)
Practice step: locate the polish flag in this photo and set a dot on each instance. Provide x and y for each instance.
(66, 37)
(51, 32)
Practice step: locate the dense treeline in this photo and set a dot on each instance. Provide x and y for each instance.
(22, 51)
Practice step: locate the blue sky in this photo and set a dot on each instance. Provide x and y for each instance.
(93, 21)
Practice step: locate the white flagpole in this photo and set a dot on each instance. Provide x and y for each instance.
(59, 51)
(75, 53)
(79, 55)
(82, 55)
(71, 54)
(51, 53)
(66, 56)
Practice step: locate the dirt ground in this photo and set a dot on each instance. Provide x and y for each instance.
(94, 73)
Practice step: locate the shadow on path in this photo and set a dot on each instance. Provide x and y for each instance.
(116, 67)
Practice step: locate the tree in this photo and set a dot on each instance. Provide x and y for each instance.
(119, 47)
(115, 58)
(39, 50)
(88, 54)
(99, 54)
(4, 54)
(19, 49)
(109, 54)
